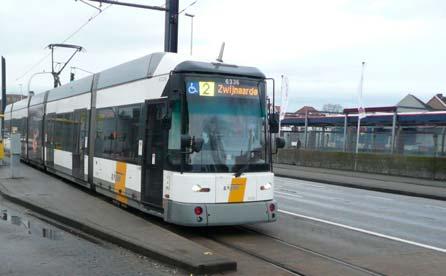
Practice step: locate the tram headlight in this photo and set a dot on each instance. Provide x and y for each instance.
(197, 188)
(265, 187)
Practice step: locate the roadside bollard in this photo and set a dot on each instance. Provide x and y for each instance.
(15, 152)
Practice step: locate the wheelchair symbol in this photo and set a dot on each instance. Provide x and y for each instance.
(192, 88)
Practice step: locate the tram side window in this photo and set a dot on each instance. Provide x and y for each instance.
(128, 133)
(175, 128)
(118, 131)
(105, 133)
(63, 129)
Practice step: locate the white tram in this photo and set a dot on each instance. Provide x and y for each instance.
(186, 140)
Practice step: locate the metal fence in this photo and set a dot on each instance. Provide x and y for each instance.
(408, 140)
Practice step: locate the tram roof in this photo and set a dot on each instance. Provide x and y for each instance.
(18, 105)
(144, 67)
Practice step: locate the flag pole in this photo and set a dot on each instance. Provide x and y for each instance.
(361, 110)
(281, 105)
(357, 133)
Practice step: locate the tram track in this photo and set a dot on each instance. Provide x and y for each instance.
(243, 240)
(318, 254)
(246, 242)
(270, 261)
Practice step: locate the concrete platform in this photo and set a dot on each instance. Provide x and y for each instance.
(383, 183)
(77, 208)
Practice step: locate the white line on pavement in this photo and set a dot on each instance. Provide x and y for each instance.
(366, 231)
(288, 194)
(300, 182)
(379, 197)
(435, 207)
(316, 186)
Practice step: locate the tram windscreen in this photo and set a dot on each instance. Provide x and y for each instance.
(229, 115)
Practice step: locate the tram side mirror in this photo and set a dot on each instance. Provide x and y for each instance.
(274, 122)
(280, 144)
(186, 141)
(195, 144)
(166, 122)
(166, 118)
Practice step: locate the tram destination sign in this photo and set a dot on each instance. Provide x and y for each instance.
(222, 88)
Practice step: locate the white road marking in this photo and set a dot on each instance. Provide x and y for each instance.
(443, 250)
(379, 197)
(287, 190)
(294, 194)
(300, 182)
(435, 207)
(288, 194)
(312, 185)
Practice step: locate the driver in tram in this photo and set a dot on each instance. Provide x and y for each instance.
(213, 150)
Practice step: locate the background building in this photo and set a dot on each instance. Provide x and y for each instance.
(12, 98)
(438, 102)
(411, 127)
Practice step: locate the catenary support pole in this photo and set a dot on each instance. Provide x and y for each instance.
(358, 132)
(171, 26)
(345, 131)
(306, 130)
(191, 30)
(171, 20)
(442, 140)
(3, 86)
(392, 141)
(4, 100)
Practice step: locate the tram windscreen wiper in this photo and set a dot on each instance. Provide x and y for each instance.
(243, 168)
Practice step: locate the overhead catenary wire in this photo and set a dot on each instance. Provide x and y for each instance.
(71, 35)
(188, 6)
(32, 67)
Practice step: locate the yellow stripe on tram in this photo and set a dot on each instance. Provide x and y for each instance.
(237, 192)
(121, 171)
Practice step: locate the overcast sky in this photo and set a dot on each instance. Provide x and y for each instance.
(318, 44)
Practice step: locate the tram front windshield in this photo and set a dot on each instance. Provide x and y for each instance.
(229, 115)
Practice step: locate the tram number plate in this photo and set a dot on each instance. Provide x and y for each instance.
(233, 187)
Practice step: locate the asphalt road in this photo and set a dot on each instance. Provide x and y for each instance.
(30, 246)
(411, 219)
(332, 230)
(322, 230)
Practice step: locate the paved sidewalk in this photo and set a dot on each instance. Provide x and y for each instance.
(385, 183)
(77, 208)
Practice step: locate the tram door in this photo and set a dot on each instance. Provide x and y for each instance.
(155, 141)
(79, 126)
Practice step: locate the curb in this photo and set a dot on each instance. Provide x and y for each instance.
(359, 186)
(198, 268)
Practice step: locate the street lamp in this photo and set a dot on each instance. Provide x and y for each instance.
(21, 91)
(191, 30)
(32, 76)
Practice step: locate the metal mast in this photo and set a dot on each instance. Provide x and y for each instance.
(171, 20)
